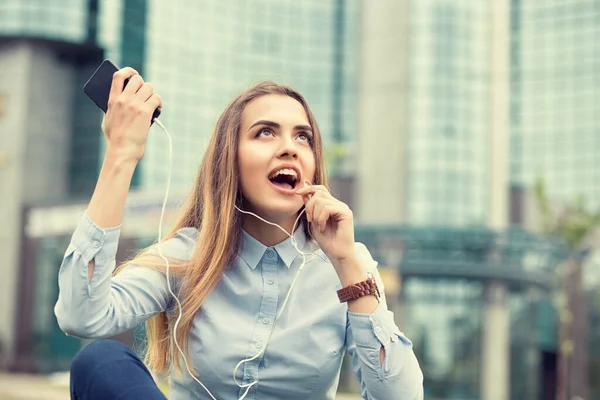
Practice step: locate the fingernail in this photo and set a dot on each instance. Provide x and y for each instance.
(307, 183)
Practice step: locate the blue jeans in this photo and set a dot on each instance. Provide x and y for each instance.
(107, 369)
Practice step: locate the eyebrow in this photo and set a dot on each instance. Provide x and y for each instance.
(277, 126)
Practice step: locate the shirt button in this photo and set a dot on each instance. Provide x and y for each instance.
(270, 282)
(377, 329)
(265, 321)
(96, 243)
(258, 345)
(270, 253)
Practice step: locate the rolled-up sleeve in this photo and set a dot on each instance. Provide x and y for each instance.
(400, 376)
(105, 305)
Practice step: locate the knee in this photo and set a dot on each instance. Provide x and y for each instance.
(100, 351)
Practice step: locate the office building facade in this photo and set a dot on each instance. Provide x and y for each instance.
(198, 55)
(434, 84)
(555, 135)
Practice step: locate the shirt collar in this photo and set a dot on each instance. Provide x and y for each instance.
(252, 250)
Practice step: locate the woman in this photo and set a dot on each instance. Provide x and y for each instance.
(231, 269)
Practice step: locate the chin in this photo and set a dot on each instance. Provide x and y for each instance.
(280, 210)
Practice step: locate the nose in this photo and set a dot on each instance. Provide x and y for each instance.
(288, 148)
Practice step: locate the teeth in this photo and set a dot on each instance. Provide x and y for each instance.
(286, 171)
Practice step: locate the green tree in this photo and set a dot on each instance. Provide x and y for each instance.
(335, 155)
(573, 224)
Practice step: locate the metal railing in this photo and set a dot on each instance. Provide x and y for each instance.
(515, 256)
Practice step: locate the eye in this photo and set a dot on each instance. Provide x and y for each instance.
(304, 136)
(264, 132)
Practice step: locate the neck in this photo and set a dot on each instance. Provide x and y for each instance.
(267, 234)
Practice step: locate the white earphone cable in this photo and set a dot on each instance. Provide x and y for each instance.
(167, 266)
(304, 262)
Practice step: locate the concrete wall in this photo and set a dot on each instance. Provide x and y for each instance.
(496, 332)
(383, 112)
(49, 117)
(34, 132)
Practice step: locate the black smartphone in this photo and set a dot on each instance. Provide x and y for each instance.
(98, 86)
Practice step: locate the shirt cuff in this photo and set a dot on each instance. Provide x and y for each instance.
(376, 329)
(94, 242)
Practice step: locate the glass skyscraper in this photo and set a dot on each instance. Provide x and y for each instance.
(448, 145)
(555, 128)
(53, 19)
(448, 142)
(432, 86)
(200, 54)
(555, 84)
(428, 86)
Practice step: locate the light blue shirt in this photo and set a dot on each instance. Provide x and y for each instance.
(304, 355)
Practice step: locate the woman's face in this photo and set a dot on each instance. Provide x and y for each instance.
(275, 155)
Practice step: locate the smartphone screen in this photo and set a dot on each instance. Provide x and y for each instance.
(98, 86)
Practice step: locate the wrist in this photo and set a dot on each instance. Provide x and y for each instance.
(120, 158)
(347, 259)
(367, 301)
(349, 270)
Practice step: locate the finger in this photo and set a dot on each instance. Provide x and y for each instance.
(145, 92)
(308, 209)
(153, 102)
(310, 205)
(318, 207)
(312, 189)
(116, 88)
(134, 84)
(314, 194)
(323, 217)
(151, 105)
(321, 200)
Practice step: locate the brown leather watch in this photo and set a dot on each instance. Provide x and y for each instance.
(368, 287)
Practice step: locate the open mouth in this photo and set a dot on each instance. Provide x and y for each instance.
(285, 178)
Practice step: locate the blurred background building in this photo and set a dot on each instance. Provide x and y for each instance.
(438, 118)
(198, 55)
(555, 138)
(434, 86)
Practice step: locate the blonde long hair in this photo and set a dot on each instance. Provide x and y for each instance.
(210, 209)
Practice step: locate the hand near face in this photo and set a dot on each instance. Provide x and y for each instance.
(332, 223)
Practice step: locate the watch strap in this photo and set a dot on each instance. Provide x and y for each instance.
(368, 287)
